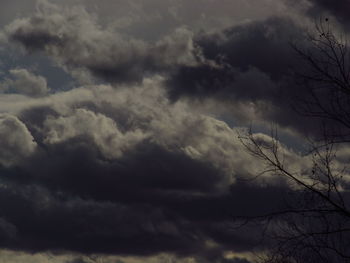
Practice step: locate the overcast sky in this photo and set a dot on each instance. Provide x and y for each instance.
(119, 123)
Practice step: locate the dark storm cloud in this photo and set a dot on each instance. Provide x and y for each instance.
(73, 200)
(85, 188)
(155, 18)
(254, 63)
(339, 9)
(261, 47)
(249, 63)
(75, 40)
(126, 171)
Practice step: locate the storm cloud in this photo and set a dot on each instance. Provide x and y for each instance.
(130, 163)
(75, 40)
(337, 9)
(254, 64)
(161, 181)
(24, 82)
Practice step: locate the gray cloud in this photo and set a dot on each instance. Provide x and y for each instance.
(101, 129)
(155, 18)
(73, 37)
(25, 82)
(15, 8)
(89, 187)
(17, 257)
(15, 140)
(255, 66)
(337, 9)
(133, 168)
(234, 65)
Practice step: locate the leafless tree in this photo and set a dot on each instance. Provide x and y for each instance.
(316, 225)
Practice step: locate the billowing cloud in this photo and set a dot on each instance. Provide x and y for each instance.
(16, 141)
(338, 10)
(24, 82)
(101, 129)
(255, 68)
(128, 167)
(125, 168)
(155, 18)
(74, 38)
(234, 65)
(125, 171)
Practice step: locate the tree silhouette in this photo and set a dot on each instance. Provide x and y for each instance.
(316, 225)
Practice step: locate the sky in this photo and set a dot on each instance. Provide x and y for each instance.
(120, 124)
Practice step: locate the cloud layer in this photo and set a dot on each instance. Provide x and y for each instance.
(133, 160)
(125, 171)
(75, 40)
